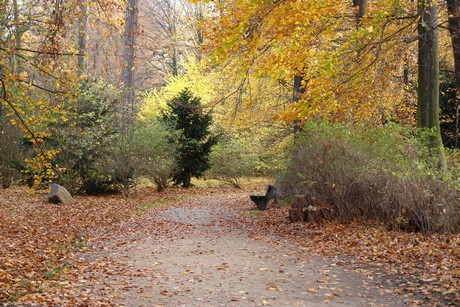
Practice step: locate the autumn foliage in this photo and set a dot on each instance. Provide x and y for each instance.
(357, 74)
(353, 69)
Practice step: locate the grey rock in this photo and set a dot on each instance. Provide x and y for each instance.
(59, 195)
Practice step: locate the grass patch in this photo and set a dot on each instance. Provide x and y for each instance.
(243, 182)
(13, 213)
(77, 244)
(252, 213)
(209, 183)
(143, 207)
(49, 275)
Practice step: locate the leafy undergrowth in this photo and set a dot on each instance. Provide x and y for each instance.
(428, 266)
(38, 240)
(39, 243)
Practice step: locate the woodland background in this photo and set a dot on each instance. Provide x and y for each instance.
(352, 103)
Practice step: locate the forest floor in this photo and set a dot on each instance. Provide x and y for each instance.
(211, 247)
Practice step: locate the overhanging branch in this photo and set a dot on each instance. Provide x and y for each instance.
(24, 124)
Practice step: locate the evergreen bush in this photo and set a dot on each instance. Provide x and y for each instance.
(186, 115)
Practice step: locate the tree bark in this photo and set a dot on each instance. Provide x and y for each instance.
(127, 75)
(361, 4)
(17, 38)
(297, 93)
(82, 30)
(453, 9)
(428, 76)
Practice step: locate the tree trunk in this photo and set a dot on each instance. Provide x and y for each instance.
(428, 76)
(297, 92)
(17, 38)
(361, 10)
(187, 178)
(453, 9)
(127, 74)
(82, 30)
(199, 18)
(361, 4)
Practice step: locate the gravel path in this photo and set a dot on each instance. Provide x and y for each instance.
(207, 260)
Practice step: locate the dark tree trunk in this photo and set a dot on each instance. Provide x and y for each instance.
(428, 76)
(186, 180)
(127, 73)
(361, 4)
(453, 9)
(297, 93)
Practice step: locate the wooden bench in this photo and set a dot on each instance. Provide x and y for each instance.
(261, 201)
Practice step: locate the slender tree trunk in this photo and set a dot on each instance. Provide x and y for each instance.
(297, 92)
(82, 30)
(174, 62)
(199, 18)
(173, 23)
(95, 57)
(453, 9)
(361, 5)
(17, 37)
(198, 9)
(127, 75)
(428, 76)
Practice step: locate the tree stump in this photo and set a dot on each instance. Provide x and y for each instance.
(313, 214)
(296, 215)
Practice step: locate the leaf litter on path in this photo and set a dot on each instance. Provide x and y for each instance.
(200, 247)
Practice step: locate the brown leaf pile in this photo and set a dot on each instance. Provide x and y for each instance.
(37, 239)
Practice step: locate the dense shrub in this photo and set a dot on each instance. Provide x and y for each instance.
(239, 156)
(231, 161)
(383, 173)
(86, 139)
(154, 146)
(146, 150)
(258, 151)
(121, 163)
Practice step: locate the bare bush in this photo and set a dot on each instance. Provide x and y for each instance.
(374, 174)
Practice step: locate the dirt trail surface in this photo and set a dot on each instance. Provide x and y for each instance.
(204, 251)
